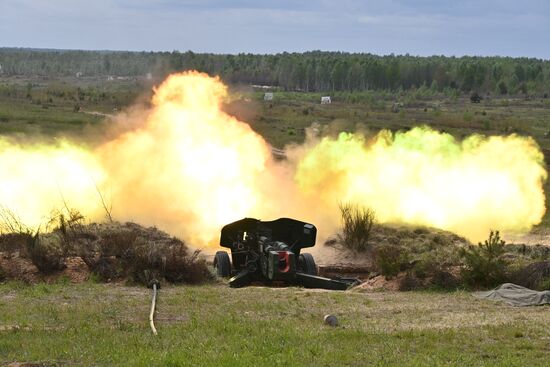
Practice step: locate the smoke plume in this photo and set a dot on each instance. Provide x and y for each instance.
(186, 166)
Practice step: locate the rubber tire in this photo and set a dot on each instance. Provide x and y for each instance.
(307, 264)
(222, 264)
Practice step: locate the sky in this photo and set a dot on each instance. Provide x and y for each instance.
(423, 27)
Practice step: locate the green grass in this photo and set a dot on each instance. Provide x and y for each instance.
(18, 116)
(287, 112)
(105, 324)
(48, 108)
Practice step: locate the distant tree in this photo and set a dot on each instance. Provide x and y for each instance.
(522, 88)
(519, 72)
(475, 97)
(311, 71)
(502, 87)
(106, 64)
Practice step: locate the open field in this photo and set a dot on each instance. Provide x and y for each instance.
(48, 107)
(106, 324)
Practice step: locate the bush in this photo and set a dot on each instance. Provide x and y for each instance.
(445, 280)
(475, 97)
(534, 276)
(118, 244)
(484, 264)
(46, 252)
(390, 259)
(106, 269)
(13, 242)
(544, 285)
(467, 116)
(167, 261)
(140, 254)
(357, 224)
(409, 283)
(426, 265)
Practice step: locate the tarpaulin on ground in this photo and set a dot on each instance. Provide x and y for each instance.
(516, 295)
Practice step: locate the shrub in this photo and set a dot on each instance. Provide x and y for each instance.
(357, 224)
(544, 284)
(119, 244)
(141, 255)
(46, 252)
(467, 116)
(534, 276)
(390, 259)
(484, 264)
(106, 269)
(409, 283)
(475, 97)
(169, 261)
(13, 242)
(10, 223)
(425, 266)
(445, 280)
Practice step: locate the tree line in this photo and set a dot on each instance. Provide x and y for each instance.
(314, 71)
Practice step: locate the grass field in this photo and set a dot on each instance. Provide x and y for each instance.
(213, 325)
(283, 120)
(48, 107)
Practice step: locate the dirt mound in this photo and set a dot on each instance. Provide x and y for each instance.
(408, 258)
(12, 266)
(418, 239)
(111, 251)
(412, 241)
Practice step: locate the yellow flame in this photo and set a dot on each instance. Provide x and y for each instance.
(36, 179)
(426, 177)
(186, 166)
(190, 167)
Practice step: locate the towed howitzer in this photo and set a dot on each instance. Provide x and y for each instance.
(270, 251)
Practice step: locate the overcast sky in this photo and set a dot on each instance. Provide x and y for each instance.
(422, 27)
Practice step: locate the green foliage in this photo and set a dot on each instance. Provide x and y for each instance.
(484, 264)
(534, 275)
(390, 259)
(544, 284)
(467, 116)
(357, 224)
(47, 252)
(502, 87)
(426, 265)
(132, 252)
(314, 71)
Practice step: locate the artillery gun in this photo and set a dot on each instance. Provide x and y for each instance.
(271, 251)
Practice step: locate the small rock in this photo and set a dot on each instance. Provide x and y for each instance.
(331, 320)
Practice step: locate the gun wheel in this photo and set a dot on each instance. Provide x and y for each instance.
(222, 264)
(306, 264)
